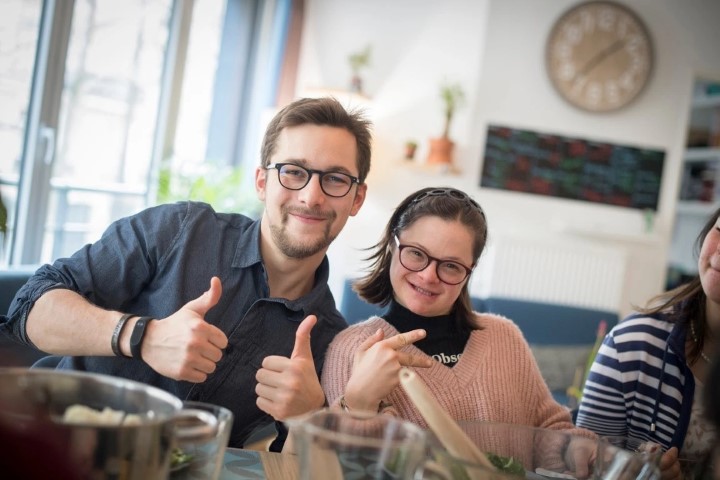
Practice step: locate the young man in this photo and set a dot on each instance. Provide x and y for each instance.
(136, 304)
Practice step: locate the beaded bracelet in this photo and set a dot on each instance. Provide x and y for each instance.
(381, 406)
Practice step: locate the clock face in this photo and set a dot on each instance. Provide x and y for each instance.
(599, 56)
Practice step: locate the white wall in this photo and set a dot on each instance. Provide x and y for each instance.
(495, 49)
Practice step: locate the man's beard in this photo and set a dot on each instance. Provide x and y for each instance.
(292, 249)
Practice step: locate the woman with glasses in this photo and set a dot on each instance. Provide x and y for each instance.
(478, 366)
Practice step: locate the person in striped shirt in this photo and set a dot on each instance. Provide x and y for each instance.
(648, 377)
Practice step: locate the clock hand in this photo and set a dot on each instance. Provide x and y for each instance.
(597, 59)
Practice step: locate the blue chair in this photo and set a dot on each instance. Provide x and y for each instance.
(354, 308)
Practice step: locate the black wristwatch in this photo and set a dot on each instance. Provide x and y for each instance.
(137, 336)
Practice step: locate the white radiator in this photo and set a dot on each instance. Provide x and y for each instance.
(567, 273)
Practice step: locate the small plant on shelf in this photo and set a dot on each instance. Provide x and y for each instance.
(453, 97)
(410, 148)
(358, 61)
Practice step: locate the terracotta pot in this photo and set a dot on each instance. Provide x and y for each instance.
(410, 149)
(440, 151)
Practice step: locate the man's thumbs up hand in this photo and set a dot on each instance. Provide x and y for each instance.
(207, 300)
(288, 387)
(302, 339)
(184, 346)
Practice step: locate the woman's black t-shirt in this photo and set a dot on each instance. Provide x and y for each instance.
(443, 342)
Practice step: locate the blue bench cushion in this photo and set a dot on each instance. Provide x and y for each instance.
(551, 324)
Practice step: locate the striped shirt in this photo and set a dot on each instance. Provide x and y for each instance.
(640, 385)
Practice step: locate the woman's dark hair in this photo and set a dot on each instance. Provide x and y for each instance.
(445, 203)
(321, 111)
(685, 305)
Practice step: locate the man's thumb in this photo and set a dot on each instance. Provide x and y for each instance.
(302, 338)
(207, 300)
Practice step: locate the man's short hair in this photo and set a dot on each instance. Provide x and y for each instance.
(325, 111)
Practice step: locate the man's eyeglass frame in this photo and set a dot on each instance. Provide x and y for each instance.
(311, 172)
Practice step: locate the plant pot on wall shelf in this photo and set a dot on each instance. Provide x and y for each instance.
(441, 148)
(410, 149)
(441, 151)
(358, 61)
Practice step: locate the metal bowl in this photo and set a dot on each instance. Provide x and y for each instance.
(35, 400)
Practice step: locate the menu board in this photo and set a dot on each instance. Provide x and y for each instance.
(572, 168)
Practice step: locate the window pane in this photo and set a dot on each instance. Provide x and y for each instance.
(187, 171)
(198, 83)
(107, 122)
(112, 87)
(19, 24)
(80, 217)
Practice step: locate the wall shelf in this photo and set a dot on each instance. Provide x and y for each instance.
(637, 238)
(706, 101)
(704, 209)
(702, 154)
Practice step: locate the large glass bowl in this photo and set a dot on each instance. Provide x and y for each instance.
(520, 451)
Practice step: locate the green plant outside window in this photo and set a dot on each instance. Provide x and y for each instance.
(221, 187)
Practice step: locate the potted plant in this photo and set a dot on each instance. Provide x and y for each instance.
(453, 97)
(358, 61)
(410, 148)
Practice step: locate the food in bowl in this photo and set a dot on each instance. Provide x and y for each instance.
(506, 464)
(179, 459)
(38, 399)
(84, 415)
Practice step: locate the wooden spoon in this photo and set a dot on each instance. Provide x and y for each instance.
(441, 423)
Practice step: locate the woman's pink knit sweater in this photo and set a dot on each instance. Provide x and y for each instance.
(496, 379)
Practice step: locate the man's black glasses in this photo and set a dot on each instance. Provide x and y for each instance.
(295, 177)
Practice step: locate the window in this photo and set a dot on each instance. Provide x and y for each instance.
(101, 94)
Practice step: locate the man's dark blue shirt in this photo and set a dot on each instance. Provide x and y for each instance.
(155, 262)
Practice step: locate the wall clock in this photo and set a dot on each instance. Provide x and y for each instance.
(599, 56)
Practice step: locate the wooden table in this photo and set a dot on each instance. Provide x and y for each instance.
(242, 464)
